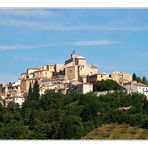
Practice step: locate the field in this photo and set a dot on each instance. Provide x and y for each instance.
(115, 131)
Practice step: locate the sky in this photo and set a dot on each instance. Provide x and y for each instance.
(112, 39)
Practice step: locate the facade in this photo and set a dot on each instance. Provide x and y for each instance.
(17, 99)
(30, 71)
(97, 77)
(53, 84)
(121, 77)
(84, 88)
(137, 88)
(76, 68)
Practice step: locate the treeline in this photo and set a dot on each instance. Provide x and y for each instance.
(140, 80)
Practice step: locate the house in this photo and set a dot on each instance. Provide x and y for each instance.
(84, 88)
(121, 77)
(17, 99)
(140, 88)
(97, 77)
(76, 68)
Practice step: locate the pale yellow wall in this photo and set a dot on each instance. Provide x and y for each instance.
(127, 77)
(84, 88)
(82, 62)
(87, 70)
(121, 77)
(59, 67)
(38, 74)
(102, 77)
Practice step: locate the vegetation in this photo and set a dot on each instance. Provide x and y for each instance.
(140, 80)
(33, 93)
(71, 116)
(116, 131)
(106, 85)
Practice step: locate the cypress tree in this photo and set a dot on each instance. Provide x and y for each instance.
(144, 79)
(134, 77)
(36, 90)
(30, 93)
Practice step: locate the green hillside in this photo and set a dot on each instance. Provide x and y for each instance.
(115, 131)
(73, 116)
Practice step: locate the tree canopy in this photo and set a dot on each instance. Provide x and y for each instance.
(106, 85)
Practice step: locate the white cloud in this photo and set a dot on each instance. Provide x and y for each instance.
(22, 58)
(75, 43)
(11, 47)
(28, 12)
(94, 43)
(62, 27)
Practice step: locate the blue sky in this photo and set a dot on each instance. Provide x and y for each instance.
(112, 39)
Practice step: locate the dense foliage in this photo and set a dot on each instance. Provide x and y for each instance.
(71, 116)
(106, 85)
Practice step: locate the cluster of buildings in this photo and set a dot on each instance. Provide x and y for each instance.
(74, 74)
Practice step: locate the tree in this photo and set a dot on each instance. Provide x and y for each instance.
(106, 85)
(144, 79)
(89, 112)
(71, 97)
(12, 106)
(51, 100)
(70, 128)
(134, 77)
(35, 92)
(87, 98)
(30, 93)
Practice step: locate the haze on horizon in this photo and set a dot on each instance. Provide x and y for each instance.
(112, 39)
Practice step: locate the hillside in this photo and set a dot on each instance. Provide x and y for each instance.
(116, 131)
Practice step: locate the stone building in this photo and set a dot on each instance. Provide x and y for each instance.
(76, 68)
(136, 87)
(121, 77)
(84, 88)
(98, 77)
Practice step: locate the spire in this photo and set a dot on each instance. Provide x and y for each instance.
(73, 55)
(74, 52)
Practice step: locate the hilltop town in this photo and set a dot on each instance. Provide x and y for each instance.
(74, 74)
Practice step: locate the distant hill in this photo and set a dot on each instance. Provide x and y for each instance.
(116, 131)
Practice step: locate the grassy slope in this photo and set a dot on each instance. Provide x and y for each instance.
(115, 131)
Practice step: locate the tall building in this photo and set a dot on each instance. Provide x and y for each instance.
(76, 68)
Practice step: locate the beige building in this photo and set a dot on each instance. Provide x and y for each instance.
(24, 75)
(30, 71)
(97, 77)
(76, 68)
(25, 84)
(84, 88)
(121, 77)
(59, 68)
(53, 84)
